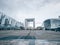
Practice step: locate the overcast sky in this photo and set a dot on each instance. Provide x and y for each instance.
(38, 9)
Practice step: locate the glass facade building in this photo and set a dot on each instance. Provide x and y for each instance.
(52, 23)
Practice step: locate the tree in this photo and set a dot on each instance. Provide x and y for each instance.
(2, 16)
(21, 27)
(6, 22)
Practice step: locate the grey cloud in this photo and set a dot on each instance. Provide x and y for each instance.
(23, 8)
(35, 4)
(24, 5)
